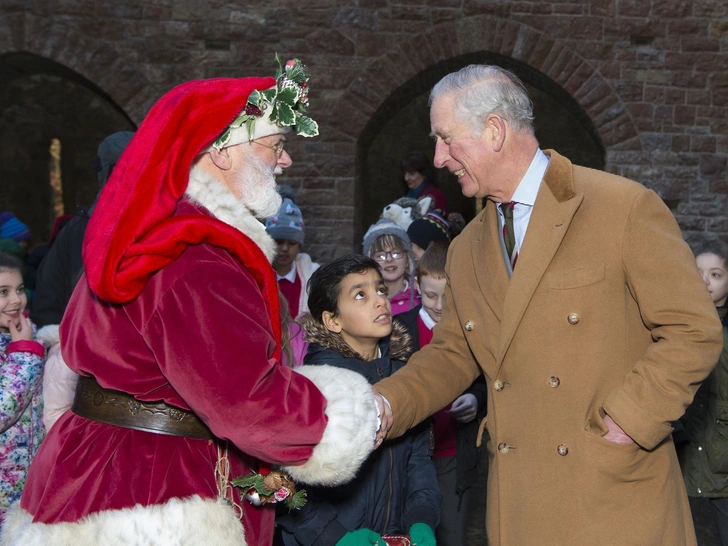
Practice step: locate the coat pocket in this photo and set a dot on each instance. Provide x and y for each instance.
(575, 278)
(717, 448)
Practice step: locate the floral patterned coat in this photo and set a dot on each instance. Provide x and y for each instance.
(21, 410)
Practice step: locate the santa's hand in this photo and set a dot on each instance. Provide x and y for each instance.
(384, 418)
(464, 408)
(23, 332)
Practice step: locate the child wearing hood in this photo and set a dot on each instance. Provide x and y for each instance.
(396, 491)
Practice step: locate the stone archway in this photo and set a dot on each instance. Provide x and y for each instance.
(41, 100)
(402, 75)
(86, 54)
(59, 82)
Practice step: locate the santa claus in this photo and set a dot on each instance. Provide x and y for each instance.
(175, 329)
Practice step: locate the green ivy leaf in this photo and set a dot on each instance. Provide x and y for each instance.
(255, 481)
(280, 66)
(288, 96)
(297, 501)
(223, 139)
(254, 97)
(251, 127)
(297, 73)
(286, 116)
(306, 127)
(274, 112)
(239, 121)
(269, 94)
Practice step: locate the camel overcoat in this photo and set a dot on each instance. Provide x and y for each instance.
(605, 313)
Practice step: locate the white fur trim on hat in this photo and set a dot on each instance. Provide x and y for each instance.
(350, 433)
(179, 521)
(263, 128)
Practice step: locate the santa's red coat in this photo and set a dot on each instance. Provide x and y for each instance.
(199, 337)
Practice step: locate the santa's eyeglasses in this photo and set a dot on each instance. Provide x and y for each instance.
(277, 148)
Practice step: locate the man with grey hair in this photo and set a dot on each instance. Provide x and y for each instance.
(575, 295)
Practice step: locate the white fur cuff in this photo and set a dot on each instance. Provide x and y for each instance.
(181, 522)
(350, 433)
(48, 335)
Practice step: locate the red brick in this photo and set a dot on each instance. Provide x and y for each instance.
(680, 143)
(684, 115)
(702, 144)
(700, 44)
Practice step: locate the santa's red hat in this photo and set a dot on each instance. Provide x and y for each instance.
(133, 233)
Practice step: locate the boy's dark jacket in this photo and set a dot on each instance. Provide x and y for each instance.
(467, 433)
(396, 486)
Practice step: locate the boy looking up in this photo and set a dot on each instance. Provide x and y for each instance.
(395, 492)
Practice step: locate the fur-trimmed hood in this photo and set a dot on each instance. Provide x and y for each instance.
(398, 346)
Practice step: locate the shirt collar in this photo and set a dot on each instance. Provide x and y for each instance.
(427, 319)
(529, 185)
(290, 276)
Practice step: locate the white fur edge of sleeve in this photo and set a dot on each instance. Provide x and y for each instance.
(350, 432)
(48, 335)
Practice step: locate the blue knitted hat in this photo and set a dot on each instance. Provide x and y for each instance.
(12, 228)
(287, 224)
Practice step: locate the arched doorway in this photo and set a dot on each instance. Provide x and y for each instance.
(41, 100)
(402, 124)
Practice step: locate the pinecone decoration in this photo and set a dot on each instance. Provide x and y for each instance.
(273, 481)
(301, 90)
(281, 485)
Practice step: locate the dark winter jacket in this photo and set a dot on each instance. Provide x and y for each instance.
(704, 459)
(396, 486)
(466, 435)
(59, 272)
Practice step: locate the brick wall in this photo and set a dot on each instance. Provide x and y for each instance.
(651, 76)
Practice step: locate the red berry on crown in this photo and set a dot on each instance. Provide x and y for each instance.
(252, 110)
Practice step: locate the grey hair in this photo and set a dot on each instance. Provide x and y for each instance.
(487, 89)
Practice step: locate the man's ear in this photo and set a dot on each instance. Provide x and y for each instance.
(221, 159)
(497, 131)
(331, 322)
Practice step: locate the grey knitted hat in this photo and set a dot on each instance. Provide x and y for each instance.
(384, 226)
(287, 223)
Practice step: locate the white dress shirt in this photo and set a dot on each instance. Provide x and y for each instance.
(525, 197)
(290, 276)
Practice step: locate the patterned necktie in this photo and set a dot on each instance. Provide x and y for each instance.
(509, 234)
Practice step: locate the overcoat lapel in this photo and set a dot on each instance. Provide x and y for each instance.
(491, 270)
(555, 206)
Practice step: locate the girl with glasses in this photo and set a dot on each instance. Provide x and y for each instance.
(388, 245)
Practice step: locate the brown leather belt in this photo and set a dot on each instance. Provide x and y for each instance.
(94, 402)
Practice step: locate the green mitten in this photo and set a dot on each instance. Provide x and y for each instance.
(422, 534)
(363, 537)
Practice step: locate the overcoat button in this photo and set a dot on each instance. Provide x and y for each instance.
(554, 382)
(562, 450)
(498, 385)
(573, 318)
(503, 447)
(469, 325)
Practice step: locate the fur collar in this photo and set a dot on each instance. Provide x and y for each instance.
(205, 190)
(400, 345)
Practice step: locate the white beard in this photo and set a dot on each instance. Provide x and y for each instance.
(205, 190)
(256, 184)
